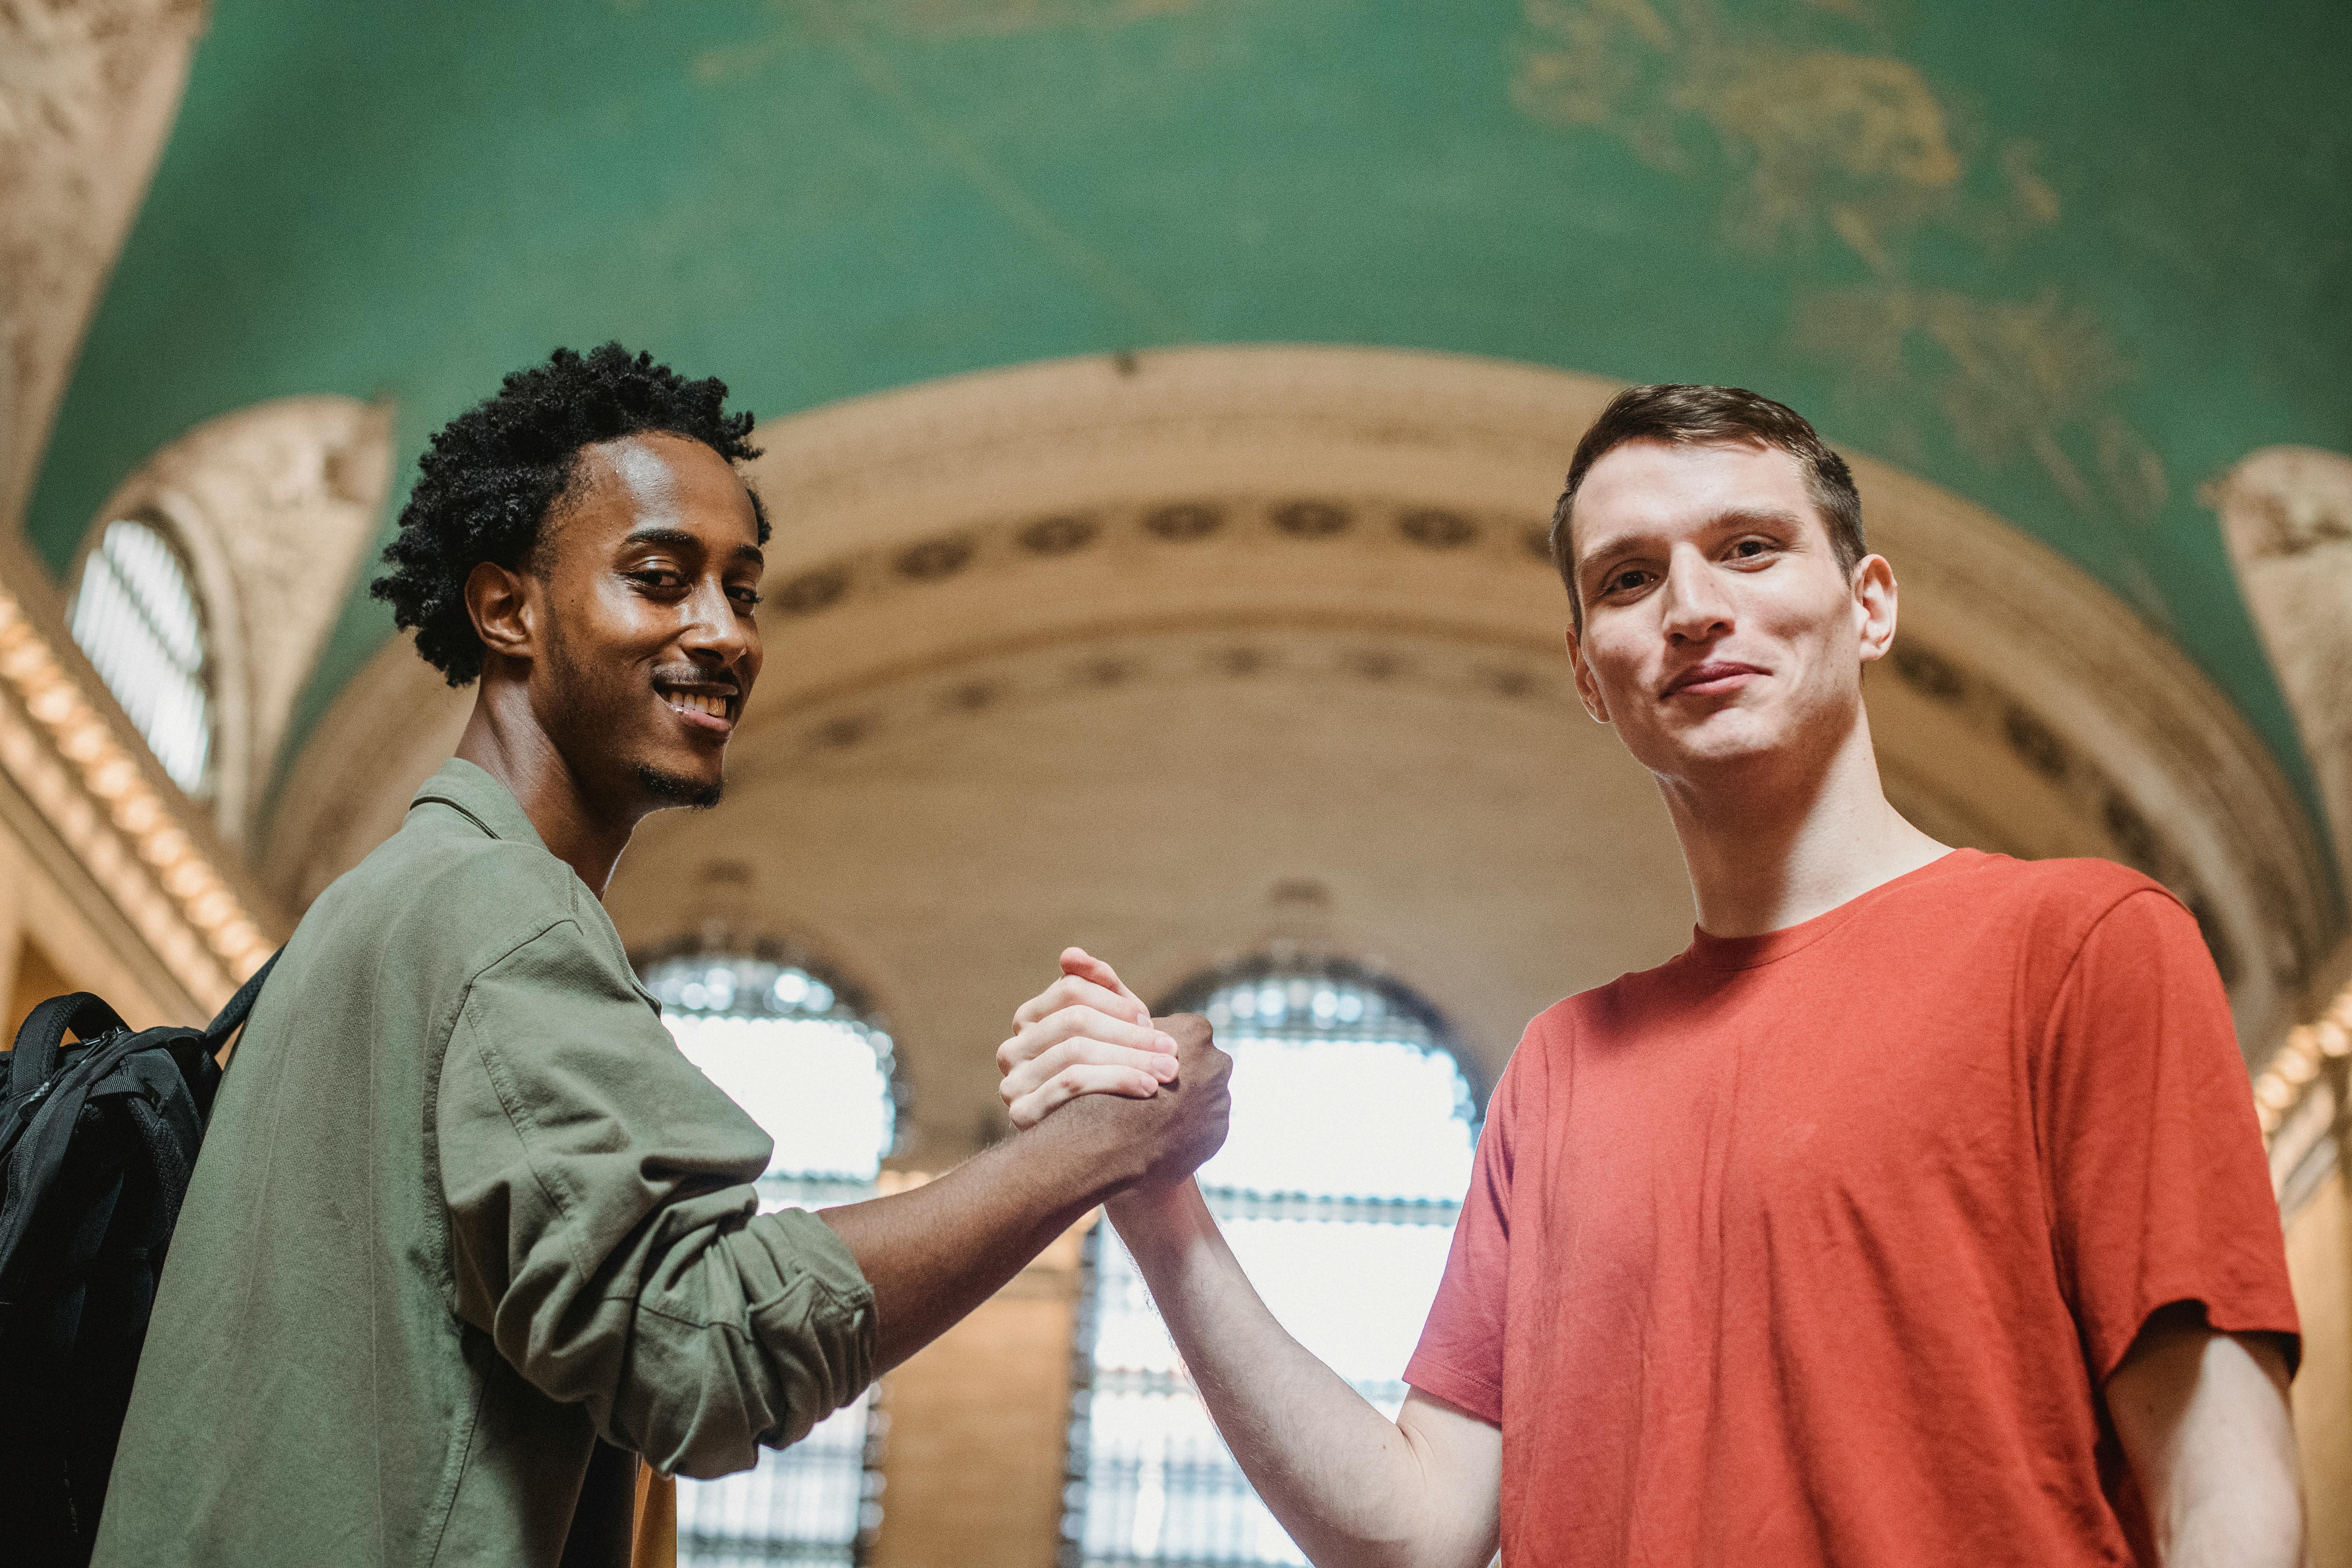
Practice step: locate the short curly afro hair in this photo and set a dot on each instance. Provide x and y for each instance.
(494, 474)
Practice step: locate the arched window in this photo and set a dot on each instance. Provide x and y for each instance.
(1354, 1128)
(811, 1064)
(136, 617)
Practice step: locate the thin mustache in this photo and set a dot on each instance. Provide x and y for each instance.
(688, 675)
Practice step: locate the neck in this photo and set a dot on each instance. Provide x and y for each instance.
(1775, 840)
(505, 741)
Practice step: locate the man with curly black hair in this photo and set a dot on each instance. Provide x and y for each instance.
(470, 1234)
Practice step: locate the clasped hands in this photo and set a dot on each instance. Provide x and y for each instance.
(1087, 1034)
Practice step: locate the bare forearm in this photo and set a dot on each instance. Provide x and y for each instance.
(932, 1253)
(1352, 1487)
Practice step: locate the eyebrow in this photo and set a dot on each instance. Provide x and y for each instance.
(1722, 521)
(660, 533)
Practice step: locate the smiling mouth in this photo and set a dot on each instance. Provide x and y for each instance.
(702, 707)
(1715, 675)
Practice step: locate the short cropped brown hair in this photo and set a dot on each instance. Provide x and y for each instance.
(1708, 416)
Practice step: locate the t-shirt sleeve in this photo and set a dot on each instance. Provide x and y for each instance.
(1460, 1356)
(2159, 1190)
(603, 1229)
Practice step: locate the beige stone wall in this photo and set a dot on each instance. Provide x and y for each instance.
(2319, 1251)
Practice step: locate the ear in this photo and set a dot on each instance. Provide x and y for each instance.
(1588, 690)
(1873, 606)
(504, 607)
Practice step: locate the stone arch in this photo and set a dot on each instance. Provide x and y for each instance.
(1167, 604)
(2286, 517)
(273, 506)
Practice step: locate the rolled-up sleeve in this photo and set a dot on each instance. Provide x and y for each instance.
(603, 1230)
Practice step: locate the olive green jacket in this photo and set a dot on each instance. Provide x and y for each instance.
(462, 1209)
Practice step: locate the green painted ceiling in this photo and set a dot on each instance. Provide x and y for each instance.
(2070, 261)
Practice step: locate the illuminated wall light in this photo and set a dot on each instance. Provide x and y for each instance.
(107, 771)
(113, 779)
(188, 880)
(86, 742)
(26, 662)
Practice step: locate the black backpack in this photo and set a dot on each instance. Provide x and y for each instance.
(98, 1140)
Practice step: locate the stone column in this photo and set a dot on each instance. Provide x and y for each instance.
(973, 1465)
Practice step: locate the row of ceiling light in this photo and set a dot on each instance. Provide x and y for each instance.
(228, 943)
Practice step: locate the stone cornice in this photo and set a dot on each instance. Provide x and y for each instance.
(178, 890)
(88, 90)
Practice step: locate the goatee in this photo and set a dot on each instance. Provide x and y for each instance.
(669, 789)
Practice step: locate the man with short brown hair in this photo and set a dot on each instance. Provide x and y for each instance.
(1915, 1214)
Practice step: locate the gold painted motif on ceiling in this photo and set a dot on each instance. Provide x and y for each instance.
(1815, 138)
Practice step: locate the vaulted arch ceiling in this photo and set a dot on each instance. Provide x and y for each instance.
(1129, 652)
(1986, 242)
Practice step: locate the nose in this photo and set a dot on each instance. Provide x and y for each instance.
(1692, 600)
(716, 631)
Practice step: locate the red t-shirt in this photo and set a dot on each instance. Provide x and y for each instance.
(1818, 1247)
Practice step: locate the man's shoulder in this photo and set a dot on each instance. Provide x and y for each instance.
(441, 885)
(2052, 896)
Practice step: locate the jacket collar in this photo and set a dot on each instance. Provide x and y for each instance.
(475, 795)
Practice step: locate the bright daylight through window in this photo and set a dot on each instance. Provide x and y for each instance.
(1354, 1128)
(813, 1068)
(135, 617)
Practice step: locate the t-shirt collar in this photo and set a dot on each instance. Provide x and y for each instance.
(1752, 952)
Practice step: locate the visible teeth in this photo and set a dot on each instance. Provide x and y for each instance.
(700, 702)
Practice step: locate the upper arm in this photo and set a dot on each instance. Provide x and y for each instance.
(1461, 1458)
(2204, 1421)
(597, 1190)
(2159, 1187)
(565, 1116)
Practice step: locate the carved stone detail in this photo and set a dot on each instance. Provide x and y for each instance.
(905, 572)
(276, 505)
(88, 90)
(2286, 516)
(349, 787)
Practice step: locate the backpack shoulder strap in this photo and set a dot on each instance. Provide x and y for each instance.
(232, 1017)
(39, 1042)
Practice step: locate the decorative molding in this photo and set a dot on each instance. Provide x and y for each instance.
(276, 506)
(349, 785)
(2301, 1100)
(1273, 487)
(109, 807)
(88, 90)
(2286, 517)
(1520, 666)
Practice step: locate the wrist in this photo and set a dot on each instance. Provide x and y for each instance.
(1156, 1215)
(1104, 1157)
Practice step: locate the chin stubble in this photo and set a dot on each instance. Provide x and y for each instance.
(671, 789)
